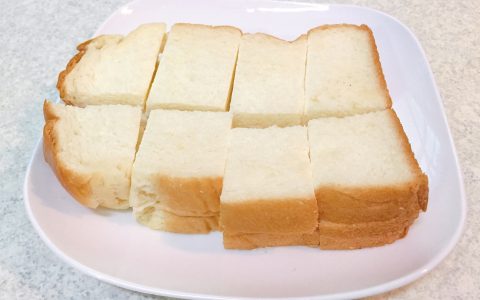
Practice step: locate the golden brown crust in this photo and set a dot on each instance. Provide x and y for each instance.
(248, 241)
(163, 220)
(378, 65)
(82, 49)
(366, 229)
(350, 243)
(189, 196)
(421, 184)
(269, 216)
(375, 54)
(356, 205)
(76, 184)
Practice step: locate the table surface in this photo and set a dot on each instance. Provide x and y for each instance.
(37, 39)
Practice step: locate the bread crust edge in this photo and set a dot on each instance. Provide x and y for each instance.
(61, 87)
(421, 182)
(76, 184)
(249, 241)
(291, 215)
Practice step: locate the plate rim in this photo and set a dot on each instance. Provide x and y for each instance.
(367, 291)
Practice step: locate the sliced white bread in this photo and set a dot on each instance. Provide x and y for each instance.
(364, 169)
(269, 82)
(247, 241)
(112, 69)
(267, 185)
(91, 150)
(196, 68)
(343, 72)
(154, 217)
(333, 236)
(180, 162)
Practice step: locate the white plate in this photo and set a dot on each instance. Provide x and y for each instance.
(109, 245)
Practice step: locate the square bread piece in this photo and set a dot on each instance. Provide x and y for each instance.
(267, 185)
(155, 217)
(343, 73)
(112, 69)
(91, 150)
(180, 162)
(196, 68)
(269, 82)
(364, 169)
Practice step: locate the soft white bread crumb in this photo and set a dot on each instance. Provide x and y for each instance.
(269, 82)
(364, 169)
(180, 162)
(267, 185)
(343, 73)
(92, 150)
(154, 217)
(196, 69)
(111, 69)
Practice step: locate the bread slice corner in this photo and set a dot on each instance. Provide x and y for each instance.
(180, 162)
(364, 169)
(196, 69)
(91, 151)
(343, 75)
(113, 69)
(267, 183)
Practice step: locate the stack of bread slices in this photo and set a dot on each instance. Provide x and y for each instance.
(272, 142)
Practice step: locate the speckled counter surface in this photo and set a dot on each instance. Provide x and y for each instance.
(37, 38)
